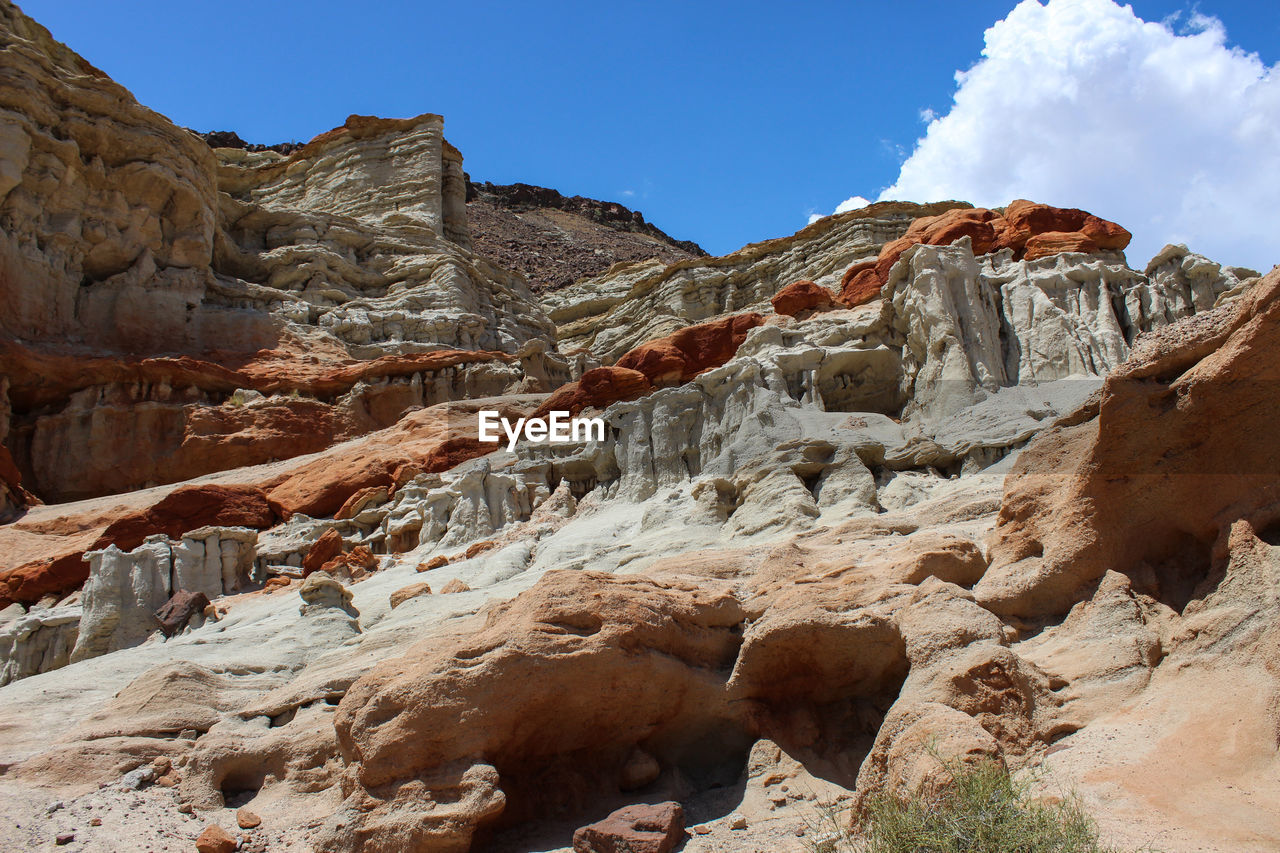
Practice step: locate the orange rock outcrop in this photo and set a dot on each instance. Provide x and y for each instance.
(1031, 230)
(802, 297)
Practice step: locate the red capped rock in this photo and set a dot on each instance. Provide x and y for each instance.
(597, 389)
(861, 284)
(680, 356)
(30, 582)
(1031, 230)
(190, 507)
(802, 297)
(1056, 242)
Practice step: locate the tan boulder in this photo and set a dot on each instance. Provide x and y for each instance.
(583, 664)
(400, 596)
(434, 563)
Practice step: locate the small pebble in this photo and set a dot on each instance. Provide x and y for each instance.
(65, 838)
(97, 821)
(737, 821)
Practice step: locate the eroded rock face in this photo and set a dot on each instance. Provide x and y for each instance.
(1167, 461)
(774, 577)
(153, 281)
(202, 417)
(131, 198)
(652, 654)
(37, 641)
(620, 310)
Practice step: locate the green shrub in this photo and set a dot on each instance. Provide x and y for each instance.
(985, 810)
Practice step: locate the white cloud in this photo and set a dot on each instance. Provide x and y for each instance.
(927, 115)
(857, 202)
(854, 203)
(1079, 103)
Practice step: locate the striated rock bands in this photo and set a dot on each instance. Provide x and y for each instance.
(919, 486)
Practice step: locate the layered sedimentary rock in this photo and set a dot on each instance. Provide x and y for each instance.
(1028, 230)
(127, 239)
(617, 311)
(823, 549)
(46, 547)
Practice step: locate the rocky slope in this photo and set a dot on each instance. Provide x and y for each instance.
(917, 482)
(554, 241)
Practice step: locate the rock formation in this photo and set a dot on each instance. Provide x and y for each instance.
(916, 485)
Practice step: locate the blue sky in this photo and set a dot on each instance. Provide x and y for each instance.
(724, 123)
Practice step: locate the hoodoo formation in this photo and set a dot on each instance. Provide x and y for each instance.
(915, 484)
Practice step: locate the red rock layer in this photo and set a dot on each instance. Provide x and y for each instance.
(679, 357)
(45, 549)
(1031, 230)
(659, 363)
(40, 377)
(173, 402)
(802, 297)
(597, 389)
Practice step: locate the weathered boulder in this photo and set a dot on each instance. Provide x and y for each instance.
(324, 549)
(652, 654)
(176, 613)
(860, 284)
(354, 564)
(634, 829)
(413, 590)
(215, 839)
(320, 591)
